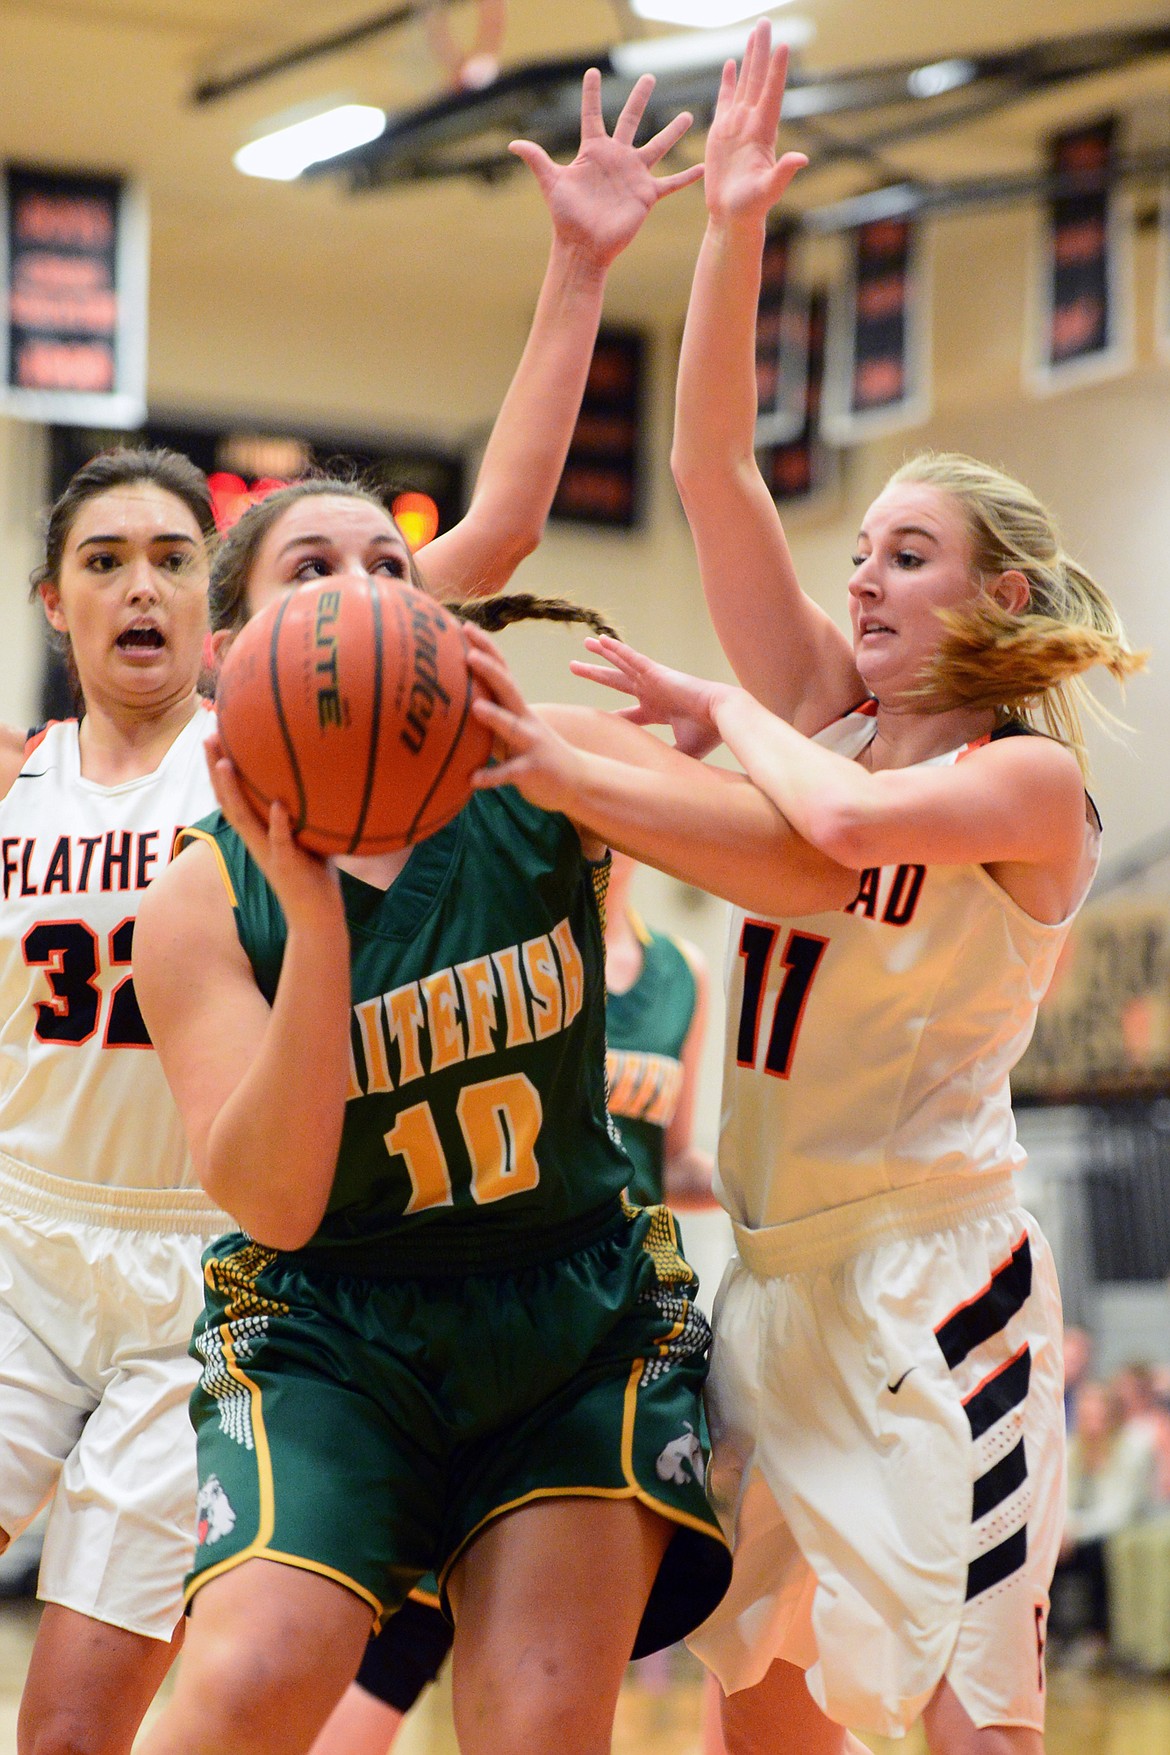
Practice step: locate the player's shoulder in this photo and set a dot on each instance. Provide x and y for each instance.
(1016, 748)
(669, 948)
(503, 813)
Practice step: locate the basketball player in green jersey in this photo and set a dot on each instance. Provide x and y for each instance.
(441, 1338)
(655, 1011)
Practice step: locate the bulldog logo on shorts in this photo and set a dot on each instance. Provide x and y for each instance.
(214, 1516)
(672, 1464)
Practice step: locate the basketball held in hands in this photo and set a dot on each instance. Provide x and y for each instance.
(351, 704)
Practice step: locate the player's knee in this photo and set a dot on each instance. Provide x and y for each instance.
(236, 1690)
(541, 1703)
(66, 1731)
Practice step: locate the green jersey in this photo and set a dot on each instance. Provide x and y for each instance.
(647, 1027)
(476, 1127)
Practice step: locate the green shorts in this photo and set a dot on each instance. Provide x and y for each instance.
(369, 1428)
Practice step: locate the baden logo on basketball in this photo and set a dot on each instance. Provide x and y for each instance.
(425, 688)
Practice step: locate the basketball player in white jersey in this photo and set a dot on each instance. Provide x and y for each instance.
(885, 1393)
(101, 1220)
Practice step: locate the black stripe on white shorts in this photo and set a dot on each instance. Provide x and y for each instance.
(974, 1322)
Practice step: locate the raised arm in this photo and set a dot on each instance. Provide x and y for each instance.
(261, 1090)
(781, 645)
(622, 785)
(597, 204)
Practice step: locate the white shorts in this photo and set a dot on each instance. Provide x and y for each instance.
(99, 1290)
(886, 1415)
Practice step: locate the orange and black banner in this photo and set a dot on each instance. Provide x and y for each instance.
(878, 364)
(803, 466)
(781, 345)
(1084, 295)
(74, 275)
(602, 479)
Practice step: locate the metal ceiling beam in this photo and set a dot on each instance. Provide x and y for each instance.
(209, 91)
(900, 200)
(466, 133)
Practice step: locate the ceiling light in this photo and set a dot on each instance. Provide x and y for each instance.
(940, 76)
(284, 154)
(663, 55)
(701, 14)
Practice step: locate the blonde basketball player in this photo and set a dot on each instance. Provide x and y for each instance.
(885, 1395)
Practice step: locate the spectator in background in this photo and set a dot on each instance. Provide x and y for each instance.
(1110, 1487)
(1147, 1413)
(1078, 1355)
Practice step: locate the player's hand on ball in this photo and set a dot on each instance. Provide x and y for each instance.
(664, 696)
(306, 885)
(532, 757)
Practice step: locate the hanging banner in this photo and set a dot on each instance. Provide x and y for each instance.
(802, 467)
(877, 377)
(781, 345)
(1082, 327)
(602, 479)
(1103, 1029)
(73, 261)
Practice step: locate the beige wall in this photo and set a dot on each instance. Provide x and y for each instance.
(309, 349)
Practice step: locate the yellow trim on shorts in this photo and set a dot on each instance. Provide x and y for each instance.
(632, 1490)
(258, 1548)
(185, 836)
(430, 1599)
(298, 1560)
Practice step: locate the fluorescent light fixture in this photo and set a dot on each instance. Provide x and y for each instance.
(284, 154)
(940, 76)
(702, 14)
(700, 48)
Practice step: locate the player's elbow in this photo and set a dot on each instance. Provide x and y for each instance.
(841, 831)
(503, 545)
(704, 473)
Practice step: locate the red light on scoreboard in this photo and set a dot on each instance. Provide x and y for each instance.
(231, 495)
(417, 516)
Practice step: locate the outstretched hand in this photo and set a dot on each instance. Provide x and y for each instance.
(598, 202)
(665, 697)
(306, 886)
(538, 762)
(744, 177)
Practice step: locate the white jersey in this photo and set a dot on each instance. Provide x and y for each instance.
(869, 1049)
(82, 1094)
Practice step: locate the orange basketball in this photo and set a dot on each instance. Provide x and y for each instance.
(351, 704)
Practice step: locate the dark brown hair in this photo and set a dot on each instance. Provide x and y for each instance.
(119, 467)
(168, 470)
(235, 558)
